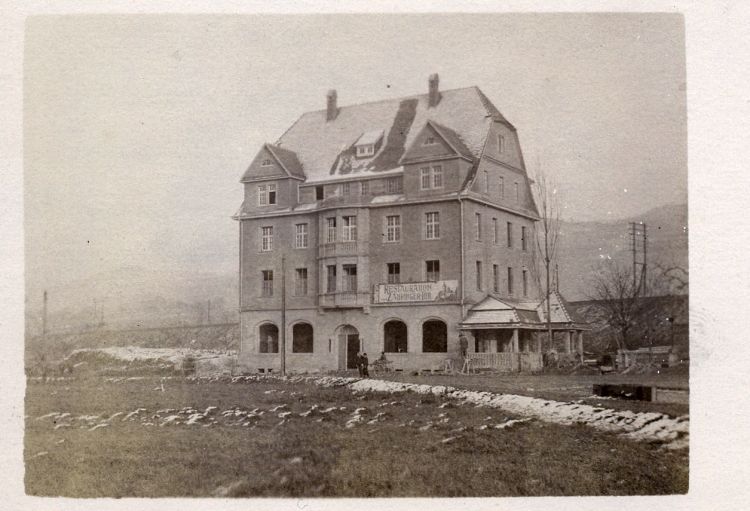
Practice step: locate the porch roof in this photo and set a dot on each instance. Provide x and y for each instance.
(497, 313)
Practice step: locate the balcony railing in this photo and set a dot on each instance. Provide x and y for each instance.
(345, 299)
(339, 248)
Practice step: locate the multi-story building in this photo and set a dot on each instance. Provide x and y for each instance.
(387, 226)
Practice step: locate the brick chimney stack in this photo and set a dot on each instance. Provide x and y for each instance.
(331, 107)
(434, 98)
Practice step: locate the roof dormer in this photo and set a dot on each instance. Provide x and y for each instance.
(368, 144)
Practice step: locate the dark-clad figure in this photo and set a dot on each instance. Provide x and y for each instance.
(463, 345)
(359, 364)
(365, 364)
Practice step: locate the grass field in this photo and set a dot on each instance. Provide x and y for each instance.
(562, 387)
(280, 439)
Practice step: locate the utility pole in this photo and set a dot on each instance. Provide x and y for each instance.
(638, 247)
(282, 348)
(208, 312)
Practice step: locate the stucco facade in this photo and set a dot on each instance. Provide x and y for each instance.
(386, 244)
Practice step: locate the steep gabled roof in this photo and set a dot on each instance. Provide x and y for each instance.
(464, 116)
(453, 140)
(288, 160)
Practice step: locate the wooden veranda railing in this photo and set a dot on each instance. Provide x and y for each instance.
(507, 361)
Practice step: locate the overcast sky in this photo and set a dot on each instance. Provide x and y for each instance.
(138, 128)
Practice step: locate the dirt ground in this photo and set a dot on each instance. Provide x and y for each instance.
(158, 437)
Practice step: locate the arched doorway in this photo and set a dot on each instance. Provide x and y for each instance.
(268, 337)
(349, 346)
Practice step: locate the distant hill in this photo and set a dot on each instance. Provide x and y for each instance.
(585, 245)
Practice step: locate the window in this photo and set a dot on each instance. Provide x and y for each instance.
(267, 289)
(429, 141)
(346, 189)
(523, 238)
(266, 239)
(479, 275)
(392, 228)
(525, 282)
(495, 278)
(393, 185)
(486, 182)
(267, 195)
(434, 336)
(425, 175)
(432, 271)
(437, 176)
(494, 231)
(510, 280)
(364, 188)
(331, 278)
(349, 228)
(517, 191)
(432, 226)
(319, 195)
(350, 277)
(302, 338)
(365, 150)
(500, 144)
(300, 236)
(509, 234)
(478, 226)
(431, 177)
(268, 335)
(501, 186)
(266, 163)
(331, 230)
(394, 273)
(300, 282)
(394, 337)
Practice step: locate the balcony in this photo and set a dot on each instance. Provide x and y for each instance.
(345, 299)
(341, 248)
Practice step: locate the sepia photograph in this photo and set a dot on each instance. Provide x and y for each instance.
(356, 255)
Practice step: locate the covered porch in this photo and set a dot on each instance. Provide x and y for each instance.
(512, 336)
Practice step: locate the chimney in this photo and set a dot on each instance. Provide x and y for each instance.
(434, 98)
(331, 108)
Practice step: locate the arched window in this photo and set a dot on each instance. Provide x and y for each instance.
(394, 337)
(302, 338)
(269, 338)
(434, 336)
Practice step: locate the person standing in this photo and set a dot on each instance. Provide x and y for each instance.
(359, 364)
(463, 345)
(365, 364)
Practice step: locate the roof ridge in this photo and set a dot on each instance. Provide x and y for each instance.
(386, 100)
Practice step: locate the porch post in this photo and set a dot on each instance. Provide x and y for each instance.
(514, 341)
(568, 341)
(580, 344)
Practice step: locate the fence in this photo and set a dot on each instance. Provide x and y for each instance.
(507, 362)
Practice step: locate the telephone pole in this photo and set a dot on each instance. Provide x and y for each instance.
(282, 348)
(638, 247)
(208, 312)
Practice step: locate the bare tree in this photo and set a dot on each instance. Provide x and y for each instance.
(547, 233)
(617, 299)
(619, 311)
